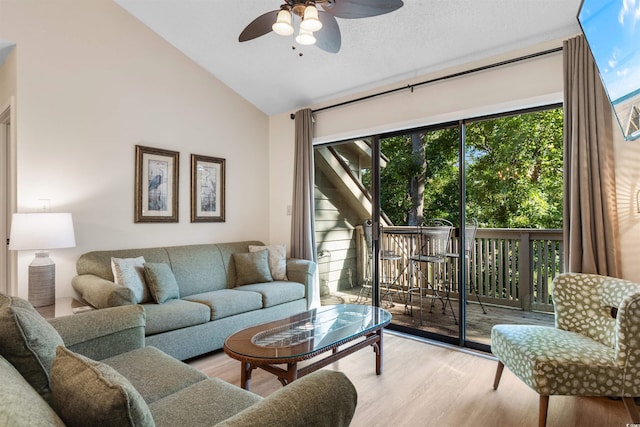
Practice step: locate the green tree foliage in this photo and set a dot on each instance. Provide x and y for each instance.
(514, 172)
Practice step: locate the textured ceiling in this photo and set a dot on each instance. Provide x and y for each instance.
(423, 36)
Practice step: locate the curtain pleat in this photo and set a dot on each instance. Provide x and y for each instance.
(303, 241)
(591, 239)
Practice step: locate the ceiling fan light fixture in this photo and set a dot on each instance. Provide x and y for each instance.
(305, 37)
(283, 26)
(310, 21)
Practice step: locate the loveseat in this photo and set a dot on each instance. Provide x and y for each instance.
(195, 296)
(93, 368)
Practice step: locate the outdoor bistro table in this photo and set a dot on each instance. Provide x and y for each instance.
(406, 241)
(418, 244)
(306, 335)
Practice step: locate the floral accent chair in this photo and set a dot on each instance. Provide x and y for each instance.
(594, 349)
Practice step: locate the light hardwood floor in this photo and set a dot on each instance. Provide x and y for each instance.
(425, 384)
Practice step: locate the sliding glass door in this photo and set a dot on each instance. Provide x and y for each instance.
(343, 204)
(452, 228)
(371, 196)
(419, 206)
(514, 190)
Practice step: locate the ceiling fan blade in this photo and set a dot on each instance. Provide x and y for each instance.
(328, 38)
(352, 9)
(259, 26)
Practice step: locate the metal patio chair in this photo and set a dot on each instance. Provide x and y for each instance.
(428, 265)
(470, 230)
(385, 256)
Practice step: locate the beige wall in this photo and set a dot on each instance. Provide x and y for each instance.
(627, 158)
(281, 154)
(519, 85)
(92, 83)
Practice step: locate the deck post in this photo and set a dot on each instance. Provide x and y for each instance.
(524, 267)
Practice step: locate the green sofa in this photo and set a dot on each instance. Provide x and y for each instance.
(218, 295)
(94, 369)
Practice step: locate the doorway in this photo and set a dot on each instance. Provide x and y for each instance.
(8, 279)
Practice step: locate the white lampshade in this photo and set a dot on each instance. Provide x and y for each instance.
(37, 231)
(305, 37)
(283, 26)
(310, 21)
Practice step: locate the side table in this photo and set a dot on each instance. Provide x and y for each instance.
(63, 307)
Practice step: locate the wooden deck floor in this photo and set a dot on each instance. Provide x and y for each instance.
(478, 325)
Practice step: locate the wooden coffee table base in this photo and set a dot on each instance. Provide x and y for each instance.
(292, 372)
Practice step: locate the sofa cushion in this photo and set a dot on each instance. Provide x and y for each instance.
(161, 281)
(174, 314)
(276, 293)
(277, 259)
(22, 406)
(197, 268)
(215, 399)
(252, 267)
(226, 253)
(86, 392)
(129, 272)
(228, 302)
(154, 374)
(28, 342)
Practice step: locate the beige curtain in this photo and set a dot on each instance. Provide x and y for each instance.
(303, 241)
(590, 211)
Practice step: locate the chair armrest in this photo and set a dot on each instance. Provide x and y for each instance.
(99, 334)
(323, 398)
(302, 271)
(102, 293)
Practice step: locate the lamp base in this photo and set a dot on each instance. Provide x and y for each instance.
(42, 280)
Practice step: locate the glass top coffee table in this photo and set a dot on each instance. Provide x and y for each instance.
(305, 336)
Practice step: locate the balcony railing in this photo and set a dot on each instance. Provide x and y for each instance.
(507, 267)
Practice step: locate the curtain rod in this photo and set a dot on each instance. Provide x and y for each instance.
(437, 79)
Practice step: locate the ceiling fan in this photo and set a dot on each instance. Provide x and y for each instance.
(317, 27)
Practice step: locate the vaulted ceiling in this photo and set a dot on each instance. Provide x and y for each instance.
(421, 37)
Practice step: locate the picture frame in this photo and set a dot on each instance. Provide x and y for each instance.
(156, 192)
(207, 189)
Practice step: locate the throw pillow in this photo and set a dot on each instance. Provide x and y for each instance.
(161, 281)
(277, 259)
(252, 267)
(86, 392)
(28, 342)
(129, 272)
(6, 300)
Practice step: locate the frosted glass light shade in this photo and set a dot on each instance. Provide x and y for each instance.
(37, 231)
(310, 21)
(305, 37)
(283, 26)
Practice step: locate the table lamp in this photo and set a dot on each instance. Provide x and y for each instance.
(41, 231)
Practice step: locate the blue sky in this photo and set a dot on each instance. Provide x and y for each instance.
(612, 29)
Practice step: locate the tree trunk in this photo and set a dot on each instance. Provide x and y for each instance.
(416, 183)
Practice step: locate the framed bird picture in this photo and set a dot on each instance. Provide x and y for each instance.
(207, 189)
(156, 193)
